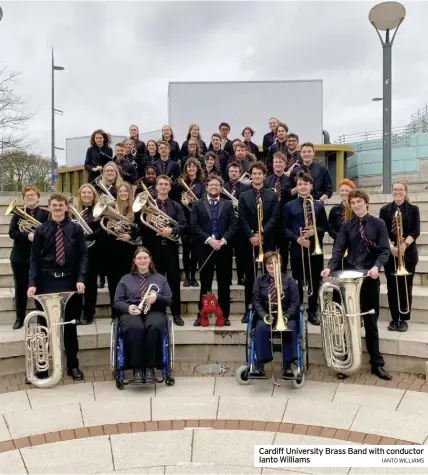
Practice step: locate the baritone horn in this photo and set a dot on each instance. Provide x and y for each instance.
(43, 343)
(400, 268)
(26, 223)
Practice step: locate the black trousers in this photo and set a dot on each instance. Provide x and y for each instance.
(249, 266)
(165, 256)
(284, 249)
(221, 261)
(369, 299)
(73, 309)
(190, 255)
(317, 263)
(391, 283)
(262, 342)
(239, 250)
(21, 272)
(143, 337)
(91, 284)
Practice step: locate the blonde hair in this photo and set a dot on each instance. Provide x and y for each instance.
(118, 181)
(130, 214)
(406, 188)
(79, 204)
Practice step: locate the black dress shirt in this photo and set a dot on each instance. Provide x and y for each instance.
(290, 300)
(185, 149)
(174, 150)
(43, 252)
(360, 254)
(276, 147)
(175, 211)
(253, 148)
(268, 140)
(335, 220)
(322, 180)
(96, 156)
(128, 293)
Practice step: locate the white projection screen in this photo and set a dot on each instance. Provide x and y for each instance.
(297, 103)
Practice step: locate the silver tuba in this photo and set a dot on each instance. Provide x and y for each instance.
(79, 219)
(43, 343)
(341, 323)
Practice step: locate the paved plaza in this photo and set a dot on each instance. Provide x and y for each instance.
(204, 424)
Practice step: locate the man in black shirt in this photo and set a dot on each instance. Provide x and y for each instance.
(58, 263)
(366, 239)
(293, 156)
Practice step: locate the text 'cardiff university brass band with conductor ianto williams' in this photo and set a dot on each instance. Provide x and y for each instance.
(220, 201)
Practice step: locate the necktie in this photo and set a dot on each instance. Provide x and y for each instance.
(278, 188)
(309, 213)
(281, 146)
(213, 202)
(248, 146)
(163, 166)
(272, 292)
(307, 170)
(217, 161)
(84, 214)
(163, 206)
(363, 234)
(343, 215)
(143, 285)
(59, 246)
(233, 185)
(258, 197)
(291, 160)
(394, 222)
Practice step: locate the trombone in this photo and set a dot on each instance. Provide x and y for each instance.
(400, 269)
(260, 257)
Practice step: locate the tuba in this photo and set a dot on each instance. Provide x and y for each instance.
(400, 268)
(43, 342)
(340, 322)
(79, 219)
(117, 224)
(26, 223)
(159, 219)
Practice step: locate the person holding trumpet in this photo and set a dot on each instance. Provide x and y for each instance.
(403, 223)
(141, 300)
(305, 222)
(266, 304)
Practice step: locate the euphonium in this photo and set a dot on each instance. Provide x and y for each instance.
(146, 307)
(43, 342)
(400, 268)
(159, 219)
(188, 193)
(341, 323)
(147, 190)
(26, 223)
(78, 218)
(117, 224)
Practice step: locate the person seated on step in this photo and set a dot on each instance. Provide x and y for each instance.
(266, 308)
(141, 300)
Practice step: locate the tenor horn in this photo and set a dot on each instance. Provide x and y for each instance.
(43, 343)
(26, 222)
(188, 193)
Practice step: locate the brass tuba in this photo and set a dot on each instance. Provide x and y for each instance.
(26, 223)
(43, 343)
(79, 219)
(400, 268)
(340, 322)
(117, 224)
(159, 219)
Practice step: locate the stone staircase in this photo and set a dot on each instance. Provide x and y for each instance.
(405, 352)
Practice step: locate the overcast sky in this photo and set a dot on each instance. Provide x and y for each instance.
(120, 56)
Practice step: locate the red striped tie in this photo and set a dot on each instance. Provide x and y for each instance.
(233, 186)
(291, 160)
(59, 244)
(363, 235)
(258, 197)
(143, 285)
(309, 213)
(343, 215)
(163, 166)
(217, 161)
(278, 188)
(272, 291)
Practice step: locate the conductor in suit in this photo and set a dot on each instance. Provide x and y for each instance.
(213, 222)
(249, 223)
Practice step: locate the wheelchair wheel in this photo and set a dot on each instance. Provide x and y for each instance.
(120, 384)
(170, 380)
(299, 381)
(242, 375)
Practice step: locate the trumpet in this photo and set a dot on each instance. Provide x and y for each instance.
(159, 219)
(79, 219)
(232, 198)
(26, 223)
(188, 193)
(98, 182)
(145, 308)
(400, 269)
(117, 224)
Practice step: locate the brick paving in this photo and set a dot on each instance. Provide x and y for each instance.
(406, 381)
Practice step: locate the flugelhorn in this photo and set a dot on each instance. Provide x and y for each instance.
(26, 223)
(79, 219)
(400, 268)
(146, 307)
(159, 219)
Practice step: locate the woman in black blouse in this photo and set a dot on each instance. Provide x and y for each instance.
(143, 330)
(338, 213)
(140, 147)
(194, 178)
(98, 154)
(400, 312)
(174, 148)
(193, 133)
(152, 152)
(250, 146)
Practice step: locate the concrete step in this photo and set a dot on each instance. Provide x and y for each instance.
(406, 352)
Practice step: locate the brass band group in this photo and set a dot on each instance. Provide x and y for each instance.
(265, 208)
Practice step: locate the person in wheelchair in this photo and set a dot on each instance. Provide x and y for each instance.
(265, 305)
(141, 299)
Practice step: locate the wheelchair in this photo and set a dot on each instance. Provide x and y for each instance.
(244, 374)
(117, 356)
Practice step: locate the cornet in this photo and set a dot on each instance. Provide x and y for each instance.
(245, 178)
(78, 219)
(188, 193)
(145, 308)
(400, 269)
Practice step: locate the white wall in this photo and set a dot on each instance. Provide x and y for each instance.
(152, 135)
(297, 103)
(75, 149)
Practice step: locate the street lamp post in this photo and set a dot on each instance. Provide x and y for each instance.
(54, 163)
(387, 16)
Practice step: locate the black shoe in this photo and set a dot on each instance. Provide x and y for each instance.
(194, 282)
(312, 318)
(259, 371)
(288, 373)
(18, 324)
(138, 376)
(244, 319)
(87, 320)
(186, 282)
(402, 326)
(226, 322)
(341, 376)
(76, 374)
(392, 327)
(197, 322)
(102, 283)
(150, 376)
(381, 373)
(178, 320)
(241, 282)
